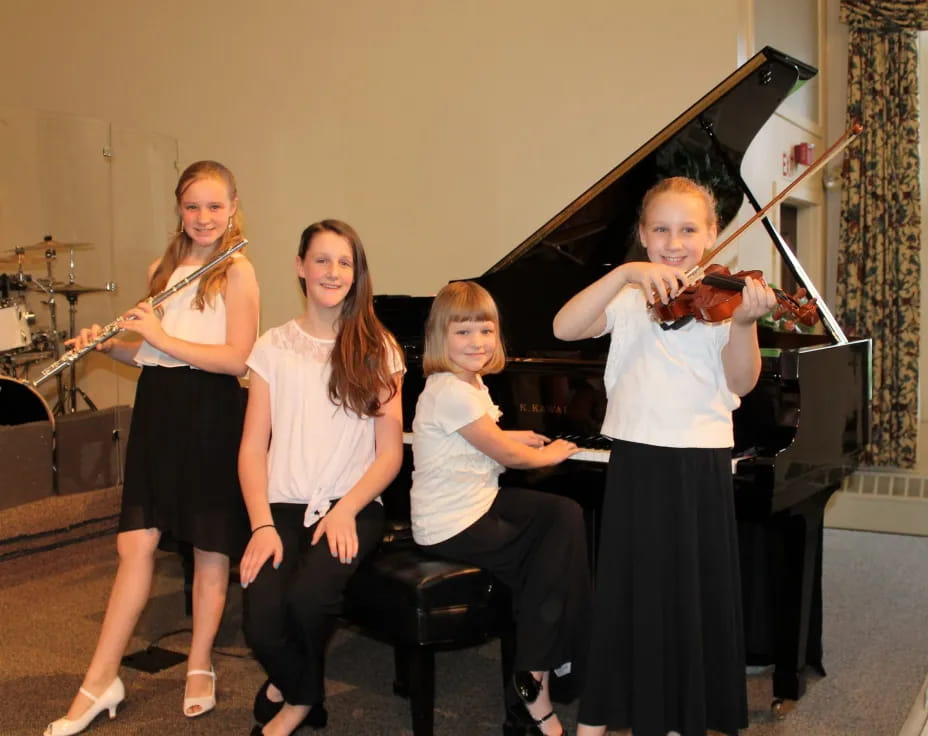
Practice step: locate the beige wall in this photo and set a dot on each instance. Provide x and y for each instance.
(446, 132)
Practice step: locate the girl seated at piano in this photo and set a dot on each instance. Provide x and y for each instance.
(534, 542)
(667, 650)
(323, 437)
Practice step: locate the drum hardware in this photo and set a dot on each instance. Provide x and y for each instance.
(71, 292)
(17, 363)
(49, 343)
(18, 281)
(112, 329)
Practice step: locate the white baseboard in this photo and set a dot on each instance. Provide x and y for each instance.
(877, 513)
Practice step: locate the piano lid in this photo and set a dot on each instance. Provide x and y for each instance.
(597, 231)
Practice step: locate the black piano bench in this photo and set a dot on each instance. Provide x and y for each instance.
(421, 604)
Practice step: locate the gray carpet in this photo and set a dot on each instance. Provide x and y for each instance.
(51, 604)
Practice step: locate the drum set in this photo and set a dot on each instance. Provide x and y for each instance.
(24, 342)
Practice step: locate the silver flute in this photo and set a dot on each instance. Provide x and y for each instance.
(113, 328)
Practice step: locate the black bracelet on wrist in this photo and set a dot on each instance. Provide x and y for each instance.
(262, 527)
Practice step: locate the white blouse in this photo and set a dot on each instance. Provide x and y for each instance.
(318, 450)
(453, 483)
(665, 387)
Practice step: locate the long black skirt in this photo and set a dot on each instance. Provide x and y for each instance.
(667, 650)
(181, 462)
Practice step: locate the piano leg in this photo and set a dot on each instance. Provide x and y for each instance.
(796, 567)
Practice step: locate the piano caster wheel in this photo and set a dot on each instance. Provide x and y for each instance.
(782, 708)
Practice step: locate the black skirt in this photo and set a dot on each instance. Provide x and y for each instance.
(667, 649)
(182, 460)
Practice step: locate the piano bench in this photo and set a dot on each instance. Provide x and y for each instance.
(421, 604)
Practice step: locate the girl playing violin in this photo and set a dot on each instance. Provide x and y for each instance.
(667, 653)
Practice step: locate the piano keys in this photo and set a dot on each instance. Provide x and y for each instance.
(798, 434)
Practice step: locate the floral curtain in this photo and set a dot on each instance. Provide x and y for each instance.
(879, 261)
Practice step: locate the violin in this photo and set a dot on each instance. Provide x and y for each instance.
(716, 296)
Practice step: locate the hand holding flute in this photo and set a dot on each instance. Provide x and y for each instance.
(141, 319)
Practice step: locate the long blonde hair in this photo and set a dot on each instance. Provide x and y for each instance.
(214, 281)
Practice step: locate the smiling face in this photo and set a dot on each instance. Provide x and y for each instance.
(206, 208)
(471, 345)
(676, 229)
(327, 268)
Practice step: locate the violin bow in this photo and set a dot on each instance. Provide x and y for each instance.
(843, 142)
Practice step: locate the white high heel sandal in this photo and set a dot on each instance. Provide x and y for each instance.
(206, 702)
(111, 697)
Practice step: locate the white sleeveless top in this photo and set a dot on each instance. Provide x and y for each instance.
(181, 319)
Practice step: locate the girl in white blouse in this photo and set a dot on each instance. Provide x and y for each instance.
(533, 542)
(323, 437)
(667, 653)
(181, 488)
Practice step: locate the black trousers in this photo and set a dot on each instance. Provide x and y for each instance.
(290, 612)
(535, 543)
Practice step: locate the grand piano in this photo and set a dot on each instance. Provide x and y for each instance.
(797, 434)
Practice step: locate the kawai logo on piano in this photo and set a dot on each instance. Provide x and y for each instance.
(533, 408)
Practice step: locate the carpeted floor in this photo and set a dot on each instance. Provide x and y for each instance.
(51, 604)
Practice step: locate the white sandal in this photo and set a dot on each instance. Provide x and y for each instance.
(108, 700)
(205, 702)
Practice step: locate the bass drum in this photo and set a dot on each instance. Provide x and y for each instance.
(20, 403)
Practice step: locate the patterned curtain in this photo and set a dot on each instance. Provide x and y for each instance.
(879, 263)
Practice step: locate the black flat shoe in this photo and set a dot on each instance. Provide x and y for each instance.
(526, 686)
(317, 718)
(521, 723)
(264, 708)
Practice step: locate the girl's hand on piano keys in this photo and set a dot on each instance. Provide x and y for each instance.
(528, 437)
(558, 451)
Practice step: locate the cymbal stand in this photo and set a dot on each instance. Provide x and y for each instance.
(53, 324)
(72, 390)
(71, 275)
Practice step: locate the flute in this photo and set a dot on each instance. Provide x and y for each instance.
(113, 328)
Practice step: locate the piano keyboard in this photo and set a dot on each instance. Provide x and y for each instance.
(588, 454)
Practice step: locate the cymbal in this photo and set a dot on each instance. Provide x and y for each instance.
(30, 260)
(66, 288)
(49, 243)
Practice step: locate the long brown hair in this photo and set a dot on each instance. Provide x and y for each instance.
(459, 301)
(214, 281)
(361, 371)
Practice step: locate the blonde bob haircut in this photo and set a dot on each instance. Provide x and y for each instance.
(459, 301)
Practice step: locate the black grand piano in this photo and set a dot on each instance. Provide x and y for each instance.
(797, 435)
